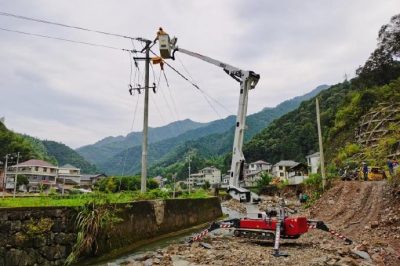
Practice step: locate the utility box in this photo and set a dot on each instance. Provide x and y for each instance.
(165, 46)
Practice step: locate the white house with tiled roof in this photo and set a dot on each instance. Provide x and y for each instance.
(210, 174)
(259, 165)
(281, 169)
(69, 175)
(38, 173)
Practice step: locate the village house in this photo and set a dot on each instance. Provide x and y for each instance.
(211, 175)
(69, 176)
(259, 165)
(253, 172)
(38, 173)
(281, 169)
(297, 174)
(87, 181)
(313, 162)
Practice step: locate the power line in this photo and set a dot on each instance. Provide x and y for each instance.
(204, 92)
(72, 27)
(63, 39)
(132, 124)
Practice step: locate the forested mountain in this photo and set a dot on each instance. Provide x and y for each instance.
(65, 155)
(33, 148)
(11, 143)
(294, 135)
(211, 140)
(101, 151)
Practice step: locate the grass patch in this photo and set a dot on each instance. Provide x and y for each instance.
(197, 194)
(82, 199)
(75, 200)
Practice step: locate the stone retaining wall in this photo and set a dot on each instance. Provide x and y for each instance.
(45, 235)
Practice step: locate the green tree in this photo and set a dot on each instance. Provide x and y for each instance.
(264, 181)
(152, 184)
(22, 180)
(206, 185)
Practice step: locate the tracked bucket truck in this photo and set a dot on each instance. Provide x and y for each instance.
(274, 224)
(248, 81)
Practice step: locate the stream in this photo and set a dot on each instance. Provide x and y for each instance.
(165, 242)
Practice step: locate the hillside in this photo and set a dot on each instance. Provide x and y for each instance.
(101, 151)
(11, 143)
(33, 148)
(65, 155)
(211, 140)
(343, 106)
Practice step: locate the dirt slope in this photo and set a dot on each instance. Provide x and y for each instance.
(367, 212)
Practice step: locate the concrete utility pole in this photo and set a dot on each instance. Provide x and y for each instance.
(5, 176)
(16, 176)
(174, 179)
(145, 119)
(321, 148)
(189, 175)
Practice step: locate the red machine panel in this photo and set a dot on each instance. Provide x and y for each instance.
(295, 226)
(258, 224)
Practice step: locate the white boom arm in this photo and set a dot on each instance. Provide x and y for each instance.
(248, 80)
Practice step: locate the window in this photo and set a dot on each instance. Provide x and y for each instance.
(36, 168)
(281, 174)
(280, 167)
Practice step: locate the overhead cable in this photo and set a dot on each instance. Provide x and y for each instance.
(63, 39)
(204, 92)
(72, 27)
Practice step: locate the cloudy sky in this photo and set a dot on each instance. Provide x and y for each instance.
(78, 94)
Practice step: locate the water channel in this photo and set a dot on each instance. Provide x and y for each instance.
(165, 242)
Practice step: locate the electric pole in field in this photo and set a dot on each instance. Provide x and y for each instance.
(146, 88)
(189, 174)
(5, 175)
(321, 148)
(16, 176)
(145, 119)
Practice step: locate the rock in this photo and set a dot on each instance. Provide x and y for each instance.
(361, 254)
(148, 262)
(179, 261)
(18, 257)
(205, 245)
(374, 224)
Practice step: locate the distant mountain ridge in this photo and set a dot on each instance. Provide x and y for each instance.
(213, 138)
(101, 151)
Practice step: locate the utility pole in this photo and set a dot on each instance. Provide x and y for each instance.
(145, 119)
(16, 176)
(5, 176)
(189, 174)
(174, 179)
(321, 148)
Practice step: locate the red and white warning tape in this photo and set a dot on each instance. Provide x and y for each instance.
(312, 226)
(201, 235)
(334, 233)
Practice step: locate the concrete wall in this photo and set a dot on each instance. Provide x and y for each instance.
(45, 236)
